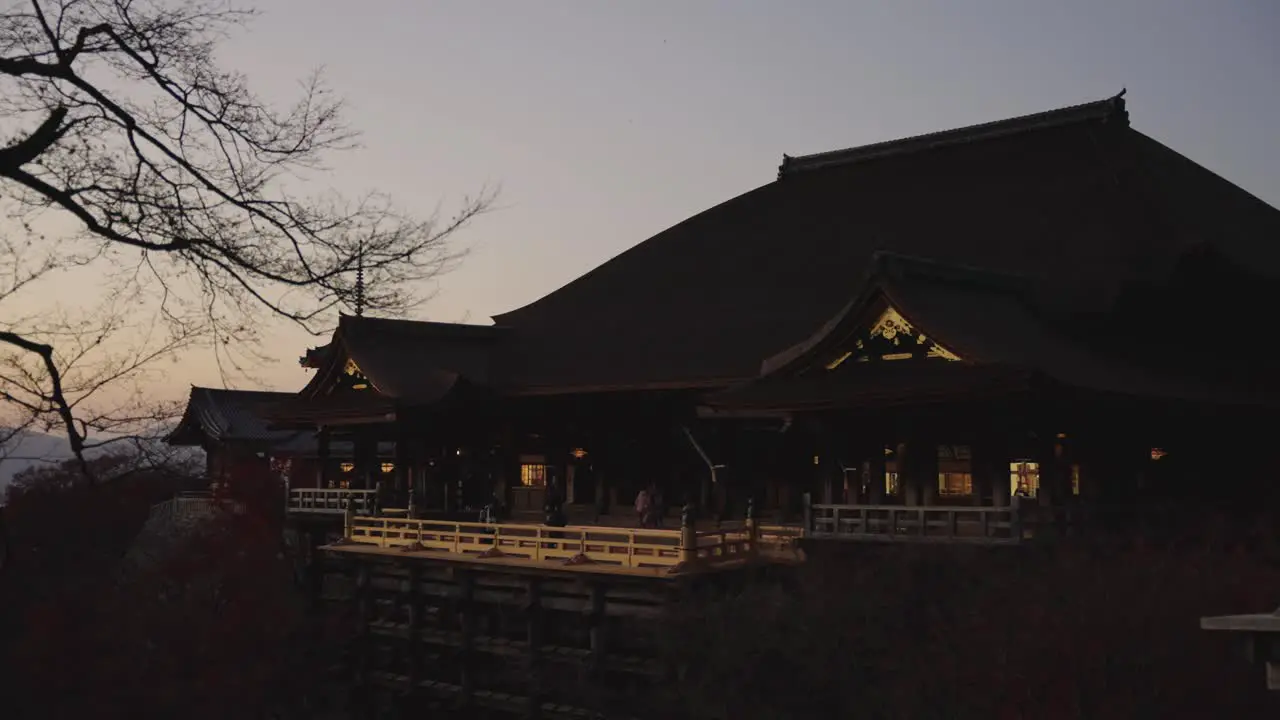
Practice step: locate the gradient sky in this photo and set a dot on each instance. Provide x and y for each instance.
(606, 122)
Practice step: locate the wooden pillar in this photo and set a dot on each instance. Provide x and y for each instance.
(918, 471)
(596, 620)
(908, 474)
(1047, 456)
(928, 450)
(534, 618)
(466, 612)
(415, 626)
(990, 472)
(324, 472)
(365, 454)
(874, 468)
(364, 640)
(404, 462)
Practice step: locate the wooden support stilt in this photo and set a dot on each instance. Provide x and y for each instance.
(364, 642)
(596, 621)
(415, 626)
(466, 611)
(534, 619)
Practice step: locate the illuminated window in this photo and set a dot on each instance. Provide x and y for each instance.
(532, 475)
(890, 483)
(1025, 475)
(1075, 479)
(955, 483)
(388, 467)
(347, 467)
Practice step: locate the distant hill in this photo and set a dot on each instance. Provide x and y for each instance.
(31, 449)
(28, 449)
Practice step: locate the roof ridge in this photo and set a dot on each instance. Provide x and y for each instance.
(410, 324)
(1100, 110)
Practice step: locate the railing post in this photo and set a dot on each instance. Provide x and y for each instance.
(688, 535)
(807, 502)
(377, 498)
(752, 532)
(348, 521)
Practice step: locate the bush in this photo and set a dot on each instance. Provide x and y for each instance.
(214, 629)
(1065, 631)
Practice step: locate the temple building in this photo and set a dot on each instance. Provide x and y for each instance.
(232, 428)
(1053, 307)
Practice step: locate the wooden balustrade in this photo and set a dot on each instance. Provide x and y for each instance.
(982, 524)
(330, 501)
(621, 547)
(615, 546)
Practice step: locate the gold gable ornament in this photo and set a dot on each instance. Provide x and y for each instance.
(891, 337)
(358, 379)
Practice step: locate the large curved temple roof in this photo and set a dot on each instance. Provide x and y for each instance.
(1074, 205)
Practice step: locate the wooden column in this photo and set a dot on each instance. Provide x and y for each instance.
(534, 618)
(874, 469)
(918, 471)
(415, 626)
(1051, 481)
(364, 641)
(913, 471)
(990, 472)
(927, 457)
(324, 472)
(404, 462)
(466, 611)
(596, 620)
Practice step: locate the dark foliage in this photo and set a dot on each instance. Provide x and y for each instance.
(213, 628)
(1069, 631)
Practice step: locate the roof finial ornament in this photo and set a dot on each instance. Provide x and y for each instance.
(360, 280)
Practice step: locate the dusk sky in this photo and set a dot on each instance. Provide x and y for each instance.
(607, 122)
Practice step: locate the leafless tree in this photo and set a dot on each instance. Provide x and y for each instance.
(182, 189)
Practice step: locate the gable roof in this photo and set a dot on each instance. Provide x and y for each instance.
(218, 415)
(1075, 201)
(405, 362)
(1003, 341)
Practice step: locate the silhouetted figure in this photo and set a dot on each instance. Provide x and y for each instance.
(553, 506)
(643, 507)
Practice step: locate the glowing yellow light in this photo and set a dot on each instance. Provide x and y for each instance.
(836, 363)
(347, 467)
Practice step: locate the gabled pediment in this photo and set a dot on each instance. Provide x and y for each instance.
(890, 337)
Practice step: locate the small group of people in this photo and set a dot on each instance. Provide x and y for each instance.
(650, 508)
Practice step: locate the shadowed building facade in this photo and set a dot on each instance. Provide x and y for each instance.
(1054, 306)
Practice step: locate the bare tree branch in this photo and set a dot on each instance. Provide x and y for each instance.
(182, 186)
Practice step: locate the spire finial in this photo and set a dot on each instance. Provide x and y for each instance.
(360, 280)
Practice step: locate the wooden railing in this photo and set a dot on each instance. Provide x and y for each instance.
(622, 547)
(331, 501)
(190, 503)
(981, 524)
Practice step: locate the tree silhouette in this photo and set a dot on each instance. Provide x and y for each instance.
(184, 192)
